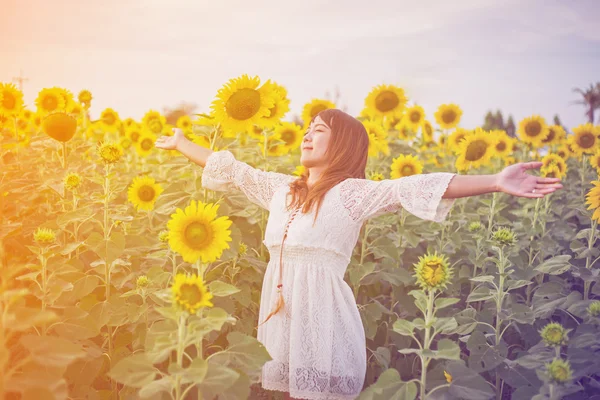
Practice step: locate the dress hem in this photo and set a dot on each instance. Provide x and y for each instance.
(304, 394)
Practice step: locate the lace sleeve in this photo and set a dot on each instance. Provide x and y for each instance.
(420, 194)
(223, 172)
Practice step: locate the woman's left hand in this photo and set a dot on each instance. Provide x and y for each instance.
(516, 181)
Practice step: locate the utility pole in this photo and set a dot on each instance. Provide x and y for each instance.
(20, 80)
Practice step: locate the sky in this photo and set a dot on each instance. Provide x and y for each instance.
(522, 57)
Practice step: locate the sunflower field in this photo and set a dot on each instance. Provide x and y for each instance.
(123, 278)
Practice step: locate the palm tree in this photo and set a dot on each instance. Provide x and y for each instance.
(591, 100)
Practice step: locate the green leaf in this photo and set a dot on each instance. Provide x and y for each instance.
(517, 284)
(445, 302)
(445, 325)
(479, 294)
(447, 350)
(218, 378)
(403, 327)
(221, 289)
(244, 353)
(52, 351)
(555, 265)
(484, 278)
(135, 371)
(155, 387)
(389, 386)
(78, 215)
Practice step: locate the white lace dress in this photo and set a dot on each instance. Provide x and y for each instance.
(318, 343)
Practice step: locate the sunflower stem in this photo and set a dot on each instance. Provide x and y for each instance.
(591, 241)
(64, 155)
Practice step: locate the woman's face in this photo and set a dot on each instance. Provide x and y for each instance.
(315, 144)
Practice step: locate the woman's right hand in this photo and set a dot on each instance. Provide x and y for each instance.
(170, 142)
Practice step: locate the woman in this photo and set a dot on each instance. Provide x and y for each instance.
(310, 325)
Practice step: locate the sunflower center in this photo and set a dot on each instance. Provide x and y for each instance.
(501, 146)
(196, 235)
(407, 170)
(386, 101)
(146, 193)
(190, 294)
(459, 138)
(551, 174)
(561, 374)
(428, 130)
(551, 135)
(317, 109)
(533, 129)
(243, 104)
(109, 119)
(288, 136)
(8, 100)
(433, 271)
(415, 117)
(449, 116)
(146, 144)
(50, 103)
(476, 150)
(586, 140)
(135, 136)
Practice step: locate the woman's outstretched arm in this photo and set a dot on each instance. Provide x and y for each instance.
(512, 180)
(195, 153)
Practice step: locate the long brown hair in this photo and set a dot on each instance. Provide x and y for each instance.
(347, 154)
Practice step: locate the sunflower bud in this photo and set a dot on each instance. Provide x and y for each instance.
(594, 308)
(44, 236)
(448, 377)
(243, 249)
(163, 236)
(142, 282)
(474, 226)
(432, 272)
(504, 237)
(554, 334)
(559, 370)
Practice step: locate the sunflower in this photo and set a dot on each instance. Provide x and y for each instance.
(201, 140)
(414, 117)
(72, 181)
(475, 150)
(276, 146)
(556, 134)
(143, 193)
(109, 119)
(280, 106)
(504, 143)
(427, 130)
(504, 236)
(456, 137)
(49, 100)
(110, 153)
(59, 126)
(564, 151)
(533, 130)
(125, 143)
(240, 103)
(196, 232)
(405, 165)
(385, 101)
(153, 118)
(389, 123)
(184, 122)
(554, 334)
(375, 128)
(584, 139)
(595, 161)
(377, 145)
(134, 132)
(404, 131)
(593, 200)
(157, 126)
(67, 97)
(448, 115)
(190, 294)
(554, 159)
(314, 107)
(291, 134)
(376, 176)
(76, 109)
(300, 169)
(433, 272)
(26, 114)
(85, 98)
(145, 144)
(11, 100)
